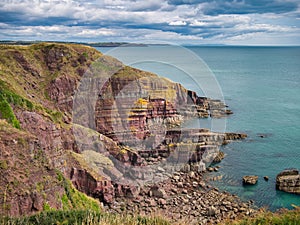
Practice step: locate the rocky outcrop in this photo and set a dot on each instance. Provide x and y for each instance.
(219, 157)
(234, 136)
(251, 179)
(89, 184)
(289, 181)
(132, 122)
(61, 90)
(143, 103)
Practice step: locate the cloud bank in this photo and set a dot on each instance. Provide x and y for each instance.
(245, 22)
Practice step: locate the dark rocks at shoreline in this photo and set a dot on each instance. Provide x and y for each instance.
(185, 196)
(288, 181)
(219, 157)
(264, 135)
(250, 179)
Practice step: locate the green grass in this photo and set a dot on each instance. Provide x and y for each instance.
(79, 209)
(8, 98)
(73, 199)
(7, 113)
(283, 217)
(55, 116)
(81, 217)
(3, 165)
(13, 98)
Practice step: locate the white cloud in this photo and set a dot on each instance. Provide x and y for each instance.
(42, 8)
(177, 23)
(197, 23)
(263, 27)
(168, 36)
(55, 33)
(96, 33)
(244, 36)
(50, 29)
(265, 39)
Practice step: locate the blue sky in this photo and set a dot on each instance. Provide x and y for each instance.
(233, 22)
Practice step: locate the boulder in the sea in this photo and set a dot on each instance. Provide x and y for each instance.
(266, 178)
(251, 179)
(210, 169)
(219, 157)
(288, 181)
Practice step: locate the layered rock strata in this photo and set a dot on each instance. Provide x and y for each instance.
(124, 126)
(289, 181)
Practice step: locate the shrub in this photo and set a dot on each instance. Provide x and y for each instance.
(3, 164)
(7, 113)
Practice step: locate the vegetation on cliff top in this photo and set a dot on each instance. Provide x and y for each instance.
(26, 73)
(285, 217)
(282, 217)
(82, 217)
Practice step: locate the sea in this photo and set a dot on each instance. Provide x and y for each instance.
(261, 85)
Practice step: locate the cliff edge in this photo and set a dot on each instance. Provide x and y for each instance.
(52, 156)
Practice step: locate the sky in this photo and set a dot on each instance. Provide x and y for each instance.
(230, 22)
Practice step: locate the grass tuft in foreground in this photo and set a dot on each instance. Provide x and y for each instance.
(82, 217)
(283, 217)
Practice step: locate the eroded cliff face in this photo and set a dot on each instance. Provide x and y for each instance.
(134, 121)
(28, 178)
(37, 84)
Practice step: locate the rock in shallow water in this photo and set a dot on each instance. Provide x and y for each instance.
(219, 157)
(288, 181)
(252, 179)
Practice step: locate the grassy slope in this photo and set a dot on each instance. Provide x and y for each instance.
(30, 172)
(27, 71)
(285, 217)
(81, 217)
(25, 74)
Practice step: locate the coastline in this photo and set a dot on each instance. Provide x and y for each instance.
(183, 194)
(186, 197)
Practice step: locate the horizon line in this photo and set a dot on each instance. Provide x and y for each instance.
(120, 43)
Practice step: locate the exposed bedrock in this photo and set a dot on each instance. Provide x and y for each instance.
(128, 120)
(250, 179)
(288, 181)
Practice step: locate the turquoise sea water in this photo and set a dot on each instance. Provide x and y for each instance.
(262, 87)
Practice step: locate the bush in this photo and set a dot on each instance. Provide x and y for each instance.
(3, 164)
(73, 199)
(13, 98)
(7, 97)
(7, 113)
